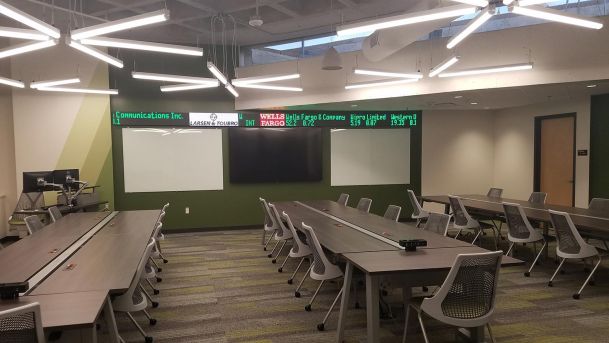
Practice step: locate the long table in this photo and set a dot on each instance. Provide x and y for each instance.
(357, 232)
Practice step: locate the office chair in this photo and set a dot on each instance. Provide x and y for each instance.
(538, 197)
(151, 269)
(33, 224)
(438, 223)
(520, 230)
(571, 245)
(494, 192)
(343, 199)
(464, 221)
(393, 212)
(156, 250)
(466, 299)
(270, 225)
(22, 324)
(299, 249)
(599, 204)
(418, 212)
(364, 204)
(134, 300)
(282, 235)
(27, 201)
(54, 213)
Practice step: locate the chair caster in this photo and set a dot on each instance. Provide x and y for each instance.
(264, 248)
(591, 283)
(425, 289)
(527, 274)
(274, 261)
(269, 255)
(576, 296)
(357, 306)
(152, 321)
(297, 294)
(308, 308)
(290, 281)
(148, 339)
(165, 260)
(320, 327)
(155, 304)
(550, 284)
(158, 279)
(159, 270)
(280, 270)
(156, 292)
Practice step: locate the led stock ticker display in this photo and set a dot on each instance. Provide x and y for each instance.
(331, 119)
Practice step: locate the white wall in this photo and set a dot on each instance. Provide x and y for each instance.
(8, 188)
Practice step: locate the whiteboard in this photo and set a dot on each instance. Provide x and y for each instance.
(370, 157)
(169, 160)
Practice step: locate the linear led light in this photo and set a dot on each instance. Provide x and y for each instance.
(269, 87)
(532, 2)
(120, 25)
(96, 53)
(187, 87)
(557, 16)
(217, 73)
(379, 83)
(508, 2)
(232, 90)
(26, 47)
(52, 83)
(28, 20)
(146, 46)
(174, 78)
(473, 25)
(22, 34)
(374, 72)
(406, 19)
(447, 63)
(11, 82)
(489, 70)
(263, 79)
(479, 3)
(79, 90)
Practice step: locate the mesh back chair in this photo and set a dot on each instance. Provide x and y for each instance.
(282, 235)
(300, 249)
(438, 223)
(538, 197)
(55, 213)
(33, 224)
(364, 204)
(134, 300)
(571, 245)
(466, 299)
(393, 212)
(322, 270)
(270, 224)
(152, 269)
(21, 324)
(27, 201)
(159, 236)
(343, 199)
(418, 212)
(494, 192)
(599, 204)
(520, 230)
(462, 220)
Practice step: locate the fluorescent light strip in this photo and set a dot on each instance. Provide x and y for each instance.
(479, 3)
(379, 83)
(386, 73)
(444, 65)
(120, 25)
(473, 25)
(175, 78)
(269, 87)
(508, 2)
(533, 2)
(11, 82)
(52, 83)
(25, 47)
(232, 90)
(79, 90)
(406, 19)
(263, 79)
(187, 87)
(28, 20)
(217, 73)
(96, 53)
(489, 70)
(22, 34)
(146, 46)
(555, 15)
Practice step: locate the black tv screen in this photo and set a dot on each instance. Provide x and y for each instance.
(258, 155)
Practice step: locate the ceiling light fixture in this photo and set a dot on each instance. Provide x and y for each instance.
(374, 72)
(591, 86)
(11, 82)
(80, 90)
(95, 53)
(269, 87)
(458, 96)
(479, 3)
(473, 103)
(146, 46)
(51, 83)
(187, 87)
(174, 78)
(481, 18)
(557, 16)
(489, 70)
(217, 73)
(232, 90)
(22, 34)
(120, 25)
(26, 47)
(28, 20)
(379, 83)
(406, 19)
(532, 2)
(447, 63)
(263, 79)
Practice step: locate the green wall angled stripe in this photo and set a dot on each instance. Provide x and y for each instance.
(599, 146)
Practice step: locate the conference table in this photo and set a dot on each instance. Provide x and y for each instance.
(370, 243)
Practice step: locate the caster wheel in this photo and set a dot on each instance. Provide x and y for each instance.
(264, 248)
(320, 327)
(156, 291)
(576, 296)
(550, 284)
(155, 304)
(527, 274)
(158, 279)
(148, 339)
(165, 260)
(297, 294)
(308, 308)
(159, 270)
(425, 289)
(591, 283)
(290, 281)
(269, 255)
(357, 305)
(280, 270)
(152, 321)
(274, 261)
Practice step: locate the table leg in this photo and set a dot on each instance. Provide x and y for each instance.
(344, 303)
(372, 308)
(447, 209)
(473, 334)
(406, 297)
(111, 321)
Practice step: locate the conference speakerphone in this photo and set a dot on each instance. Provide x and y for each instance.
(412, 244)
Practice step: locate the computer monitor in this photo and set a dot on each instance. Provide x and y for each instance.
(32, 181)
(60, 177)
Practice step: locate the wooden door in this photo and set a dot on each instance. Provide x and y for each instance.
(556, 164)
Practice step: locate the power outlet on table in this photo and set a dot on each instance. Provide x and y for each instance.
(187, 210)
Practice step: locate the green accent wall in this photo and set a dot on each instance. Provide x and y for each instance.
(599, 146)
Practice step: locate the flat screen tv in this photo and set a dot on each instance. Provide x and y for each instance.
(264, 155)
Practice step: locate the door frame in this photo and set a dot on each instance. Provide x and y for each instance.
(537, 165)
